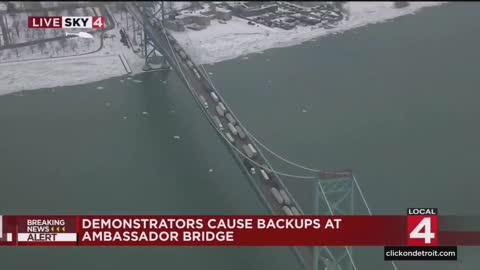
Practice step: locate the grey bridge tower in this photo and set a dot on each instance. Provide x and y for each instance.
(154, 60)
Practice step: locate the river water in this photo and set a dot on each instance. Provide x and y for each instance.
(397, 102)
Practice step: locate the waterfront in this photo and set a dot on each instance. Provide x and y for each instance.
(391, 101)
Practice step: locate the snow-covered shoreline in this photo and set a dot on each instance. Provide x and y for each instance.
(219, 42)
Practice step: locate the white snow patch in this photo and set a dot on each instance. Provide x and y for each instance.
(37, 74)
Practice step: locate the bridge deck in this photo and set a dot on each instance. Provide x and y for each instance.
(202, 87)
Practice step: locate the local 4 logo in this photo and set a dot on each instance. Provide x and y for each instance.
(422, 226)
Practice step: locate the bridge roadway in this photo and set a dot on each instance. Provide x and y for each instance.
(202, 87)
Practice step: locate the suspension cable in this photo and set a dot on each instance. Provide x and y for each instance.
(247, 131)
(223, 136)
(280, 157)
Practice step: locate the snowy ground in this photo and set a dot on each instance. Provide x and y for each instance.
(39, 70)
(220, 42)
(217, 43)
(44, 73)
(65, 47)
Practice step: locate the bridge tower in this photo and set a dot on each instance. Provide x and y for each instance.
(333, 194)
(154, 60)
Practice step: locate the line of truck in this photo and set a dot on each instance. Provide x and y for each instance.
(234, 130)
(279, 194)
(182, 54)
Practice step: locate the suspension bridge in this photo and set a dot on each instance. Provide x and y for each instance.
(335, 191)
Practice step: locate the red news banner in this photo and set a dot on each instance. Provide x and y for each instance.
(217, 231)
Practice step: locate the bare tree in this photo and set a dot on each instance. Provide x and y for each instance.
(89, 43)
(57, 50)
(13, 39)
(16, 26)
(28, 34)
(74, 46)
(134, 33)
(42, 47)
(42, 34)
(63, 43)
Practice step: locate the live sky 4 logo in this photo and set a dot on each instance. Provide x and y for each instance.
(68, 22)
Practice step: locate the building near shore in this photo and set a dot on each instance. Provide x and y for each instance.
(223, 14)
(175, 25)
(199, 19)
(248, 11)
(309, 4)
(3, 7)
(196, 27)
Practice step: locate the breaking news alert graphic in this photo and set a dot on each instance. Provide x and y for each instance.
(67, 22)
(396, 231)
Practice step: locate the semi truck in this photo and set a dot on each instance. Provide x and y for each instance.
(220, 111)
(214, 96)
(229, 137)
(222, 106)
(217, 122)
(183, 55)
(232, 129)
(264, 174)
(203, 101)
(285, 197)
(295, 211)
(230, 118)
(287, 211)
(241, 133)
(277, 195)
(248, 151)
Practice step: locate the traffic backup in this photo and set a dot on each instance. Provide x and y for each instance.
(234, 134)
